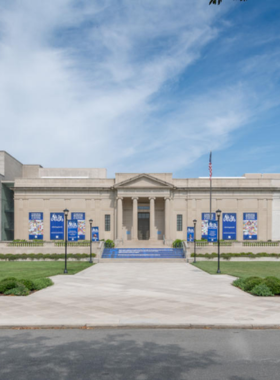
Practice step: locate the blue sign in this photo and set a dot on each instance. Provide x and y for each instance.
(250, 226)
(57, 226)
(204, 223)
(81, 218)
(36, 226)
(190, 234)
(212, 230)
(229, 226)
(95, 233)
(72, 228)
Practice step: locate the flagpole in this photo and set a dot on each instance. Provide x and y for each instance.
(210, 173)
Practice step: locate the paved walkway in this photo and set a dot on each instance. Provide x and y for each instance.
(133, 294)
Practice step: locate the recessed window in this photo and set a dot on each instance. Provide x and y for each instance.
(179, 222)
(107, 222)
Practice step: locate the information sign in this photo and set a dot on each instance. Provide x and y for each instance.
(250, 226)
(204, 223)
(36, 226)
(229, 226)
(81, 218)
(95, 233)
(212, 231)
(190, 234)
(57, 226)
(72, 228)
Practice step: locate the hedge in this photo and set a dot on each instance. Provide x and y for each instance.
(228, 256)
(43, 256)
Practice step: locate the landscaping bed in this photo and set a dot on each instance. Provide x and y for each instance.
(11, 286)
(257, 286)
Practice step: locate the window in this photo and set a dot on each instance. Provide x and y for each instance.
(179, 222)
(107, 222)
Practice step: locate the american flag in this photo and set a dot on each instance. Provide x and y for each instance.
(210, 165)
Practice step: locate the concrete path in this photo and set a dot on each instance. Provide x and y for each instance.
(136, 294)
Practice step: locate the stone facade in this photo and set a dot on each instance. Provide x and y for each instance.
(138, 206)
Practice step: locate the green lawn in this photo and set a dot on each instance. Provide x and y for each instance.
(242, 269)
(34, 270)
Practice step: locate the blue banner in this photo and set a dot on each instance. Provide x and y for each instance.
(95, 233)
(72, 228)
(190, 234)
(81, 218)
(36, 226)
(229, 226)
(204, 223)
(212, 230)
(250, 226)
(57, 226)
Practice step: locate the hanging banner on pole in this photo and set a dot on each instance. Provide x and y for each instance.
(57, 226)
(81, 218)
(204, 223)
(36, 226)
(212, 231)
(229, 226)
(250, 226)
(190, 234)
(72, 227)
(95, 233)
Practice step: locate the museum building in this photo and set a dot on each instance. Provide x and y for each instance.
(134, 206)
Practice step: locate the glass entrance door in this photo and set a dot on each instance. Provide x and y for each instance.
(143, 225)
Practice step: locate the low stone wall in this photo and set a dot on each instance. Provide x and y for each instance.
(47, 247)
(235, 247)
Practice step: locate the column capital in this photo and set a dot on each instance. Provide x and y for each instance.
(154, 198)
(135, 198)
(121, 198)
(167, 198)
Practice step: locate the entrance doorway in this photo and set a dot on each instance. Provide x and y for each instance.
(143, 225)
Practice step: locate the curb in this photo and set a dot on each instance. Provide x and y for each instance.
(148, 327)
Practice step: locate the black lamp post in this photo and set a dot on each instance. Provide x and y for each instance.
(65, 237)
(218, 212)
(90, 254)
(194, 239)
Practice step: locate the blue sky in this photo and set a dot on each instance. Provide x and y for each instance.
(141, 86)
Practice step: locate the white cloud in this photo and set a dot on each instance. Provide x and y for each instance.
(79, 81)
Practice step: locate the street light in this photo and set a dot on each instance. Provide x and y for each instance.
(218, 212)
(65, 238)
(194, 239)
(90, 255)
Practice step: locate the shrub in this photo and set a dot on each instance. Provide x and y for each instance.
(239, 283)
(19, 290)
(7, 285)
(251, 282)
(273, 283)
(28, 284)
(8, 279)
(42, 283)
(178, 243)
(262, 290)
(109, 243)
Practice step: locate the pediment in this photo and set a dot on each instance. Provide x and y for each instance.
(144, 181)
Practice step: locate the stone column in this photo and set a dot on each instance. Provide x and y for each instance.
(120, 217)
(135, 218)
(167, 218)
(152, 218)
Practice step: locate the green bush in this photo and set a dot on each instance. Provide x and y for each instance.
(251, 282)
(262, 290)
(27, 283)
(7, 285)
(273, 283)
(19, 290)
(239, 283)
(42, 283)
(109, 243)
(8, 279)
(178, 243)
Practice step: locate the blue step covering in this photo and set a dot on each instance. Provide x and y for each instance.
(143, 253)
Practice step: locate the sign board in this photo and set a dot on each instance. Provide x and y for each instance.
(72, 228)
(95, 233)
(250, 226)
(36, 225)
(57, 226)
(204, 223)
(229, 226)
(190, 234)
(81, 218)
(212, 230)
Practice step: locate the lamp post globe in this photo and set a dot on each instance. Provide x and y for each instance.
(66, 212)
(218, 213)
(90, 244)
(194, 239)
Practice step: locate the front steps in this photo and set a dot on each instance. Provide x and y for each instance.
(147, 254)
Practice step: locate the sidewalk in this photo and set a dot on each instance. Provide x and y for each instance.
(140, 294)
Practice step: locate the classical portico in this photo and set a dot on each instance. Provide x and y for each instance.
(143, 208)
